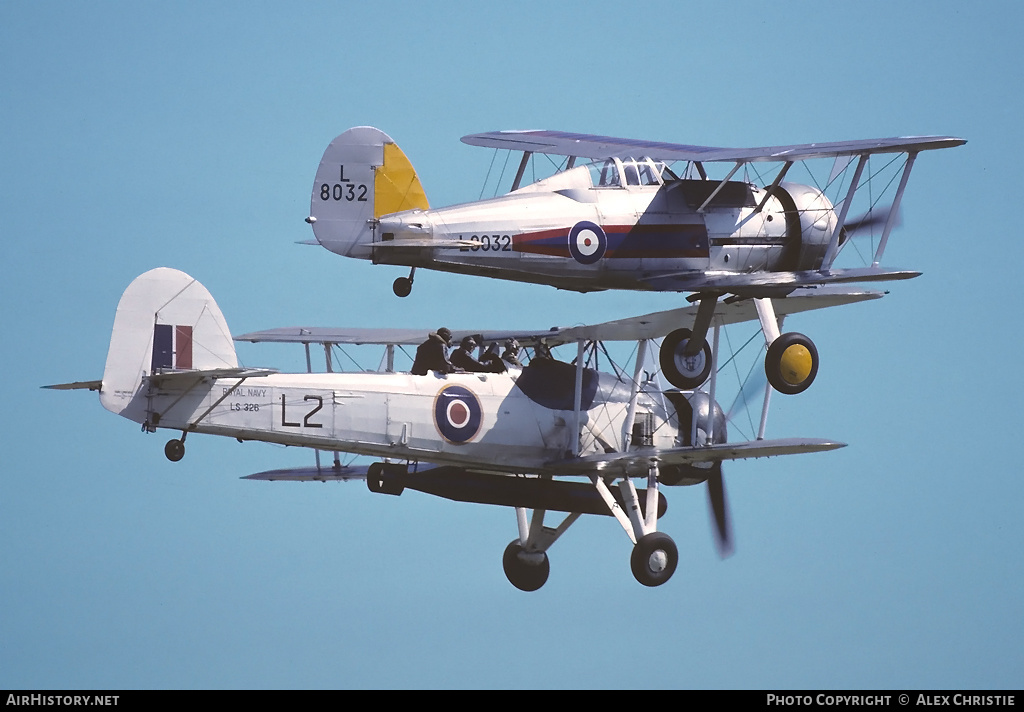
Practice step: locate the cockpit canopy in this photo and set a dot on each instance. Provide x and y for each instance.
(618, 172)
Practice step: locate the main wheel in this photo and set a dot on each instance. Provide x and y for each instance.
(684, 371)
(791, 363)
(654, 559)
(174, 450)
(521, 573)
(402, 287)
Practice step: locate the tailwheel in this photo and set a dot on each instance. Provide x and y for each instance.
(174, 450)
(527, 571)
(681, 370)
(791, 363)
(402, 287)
(654, 559)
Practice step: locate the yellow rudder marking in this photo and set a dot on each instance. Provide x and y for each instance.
(396, 186)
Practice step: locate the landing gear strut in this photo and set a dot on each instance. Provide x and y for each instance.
(525, 559)
(792, 359)
(655, 557)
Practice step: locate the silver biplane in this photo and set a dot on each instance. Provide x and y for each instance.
(627, 220)
(550, 436)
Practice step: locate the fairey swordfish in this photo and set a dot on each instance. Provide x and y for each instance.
(551, 435)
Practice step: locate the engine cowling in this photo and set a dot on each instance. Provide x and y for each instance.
(810, 221)
(694, 413)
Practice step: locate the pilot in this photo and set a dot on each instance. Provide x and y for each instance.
(542, 352)
(511, 354)
(432, 354)
(492, 361)
(463, 358)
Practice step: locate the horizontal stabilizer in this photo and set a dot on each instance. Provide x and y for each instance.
(77, 385)
(423, 243)
(170, 378)
(637, 461)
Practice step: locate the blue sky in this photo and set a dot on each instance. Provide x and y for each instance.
(141, 135)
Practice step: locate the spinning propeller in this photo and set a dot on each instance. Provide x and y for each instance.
(719, 507)
(868, 220)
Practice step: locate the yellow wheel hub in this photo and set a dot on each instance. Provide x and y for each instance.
(795, 364)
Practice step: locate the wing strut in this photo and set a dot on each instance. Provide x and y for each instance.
(721, 185)
(309, 369)
(764, 410)
(627, 424)
(894, 208)
(774, 185)
(833, 244)
(710, 437)
(522, 169)
(577, 404)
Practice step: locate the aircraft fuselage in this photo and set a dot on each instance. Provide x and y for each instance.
(566, 232)
(457, 419)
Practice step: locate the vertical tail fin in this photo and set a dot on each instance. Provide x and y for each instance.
(363, 175)
(166, 320)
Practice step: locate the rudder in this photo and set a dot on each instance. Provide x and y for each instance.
(165, 321)
(362, 176)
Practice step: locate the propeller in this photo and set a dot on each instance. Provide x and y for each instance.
(869, 220)
(718, 503)
(719, 506)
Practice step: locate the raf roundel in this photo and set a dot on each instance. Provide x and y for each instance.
(457, 414)
(587, 242)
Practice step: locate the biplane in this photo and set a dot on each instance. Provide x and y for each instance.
(547, 436)
(627, 220)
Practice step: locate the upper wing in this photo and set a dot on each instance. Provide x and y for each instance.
(561, 143)
(647, 326)
(381, 337)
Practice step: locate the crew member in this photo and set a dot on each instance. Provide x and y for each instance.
(463, 358)
(432, 354)
(492, 361)
(511, 354)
